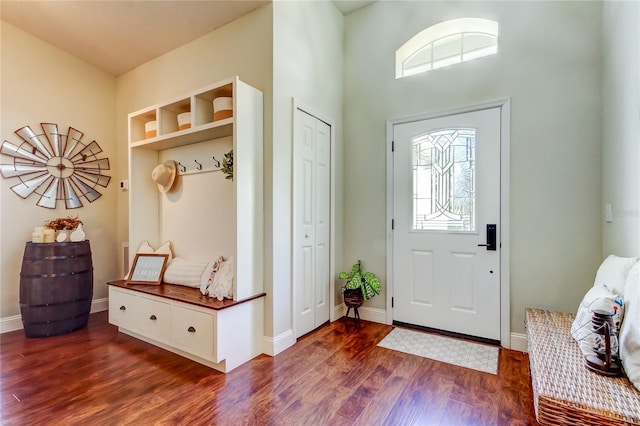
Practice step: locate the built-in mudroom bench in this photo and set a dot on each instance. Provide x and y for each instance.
(209, 143)
(182, 320)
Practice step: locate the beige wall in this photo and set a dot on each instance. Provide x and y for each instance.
(549, 64)
(243, 47)
(41, 83)
(621, 127)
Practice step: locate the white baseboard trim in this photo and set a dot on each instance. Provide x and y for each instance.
(338, 312)
(370, 314)
(14, 322)
(11, 323)
(99, 305)
(519, 342)
(274, 345)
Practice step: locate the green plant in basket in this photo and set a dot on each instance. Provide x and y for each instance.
(365, 281)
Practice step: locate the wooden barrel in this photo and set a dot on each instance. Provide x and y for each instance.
(56, 288)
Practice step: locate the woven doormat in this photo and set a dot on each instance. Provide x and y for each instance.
(444, 349)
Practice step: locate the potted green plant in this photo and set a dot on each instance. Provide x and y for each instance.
(360, 286)
(227, 165)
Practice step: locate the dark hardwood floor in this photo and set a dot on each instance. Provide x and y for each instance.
(335, 375)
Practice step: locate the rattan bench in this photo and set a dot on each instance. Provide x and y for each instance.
(564, 391)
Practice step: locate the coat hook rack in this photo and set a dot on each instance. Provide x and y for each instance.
(201, 167)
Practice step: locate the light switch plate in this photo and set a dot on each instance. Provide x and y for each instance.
(608, 213)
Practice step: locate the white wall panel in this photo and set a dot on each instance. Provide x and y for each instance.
(621, 128)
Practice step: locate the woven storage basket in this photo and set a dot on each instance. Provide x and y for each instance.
(353, 298)
(151, 129)
(222, 108)
(564, 391)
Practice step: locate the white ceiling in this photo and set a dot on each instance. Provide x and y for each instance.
(118, 36)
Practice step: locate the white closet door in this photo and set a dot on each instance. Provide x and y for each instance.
(311, 224)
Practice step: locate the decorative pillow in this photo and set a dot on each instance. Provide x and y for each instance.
(598, 298)
(613, 272)
(146, 248)
(222, 285)
(630, 332)
(209, 274)
(184, 272)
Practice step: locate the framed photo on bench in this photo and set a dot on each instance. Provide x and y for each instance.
(148, 269)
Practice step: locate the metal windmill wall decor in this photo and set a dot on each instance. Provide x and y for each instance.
(55, 166)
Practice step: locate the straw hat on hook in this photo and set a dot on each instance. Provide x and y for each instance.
(165, 175)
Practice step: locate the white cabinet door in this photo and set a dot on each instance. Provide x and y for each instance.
(154, 318)
(192, 331)
(122, 309)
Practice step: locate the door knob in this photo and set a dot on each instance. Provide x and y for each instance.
(491, 238)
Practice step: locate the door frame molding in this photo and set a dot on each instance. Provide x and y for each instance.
(297, 105)
(505, 125)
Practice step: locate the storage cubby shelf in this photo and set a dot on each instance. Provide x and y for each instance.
(213, 130)
(199, 103)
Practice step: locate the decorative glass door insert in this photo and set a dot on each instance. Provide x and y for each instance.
(444, 180)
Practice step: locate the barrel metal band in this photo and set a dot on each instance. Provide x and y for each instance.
(56, 257)
(57, 304)
(61, 274)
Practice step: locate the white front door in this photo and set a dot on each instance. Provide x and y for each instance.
(311, 227)
(446, 192)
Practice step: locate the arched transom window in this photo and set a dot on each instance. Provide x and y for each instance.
(447, 43)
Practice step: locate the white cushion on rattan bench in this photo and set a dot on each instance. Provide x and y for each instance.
(613, 273)
(630, 332)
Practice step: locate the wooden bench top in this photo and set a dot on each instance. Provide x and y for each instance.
(183, 294)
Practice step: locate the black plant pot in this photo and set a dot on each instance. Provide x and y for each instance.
(353, 298)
